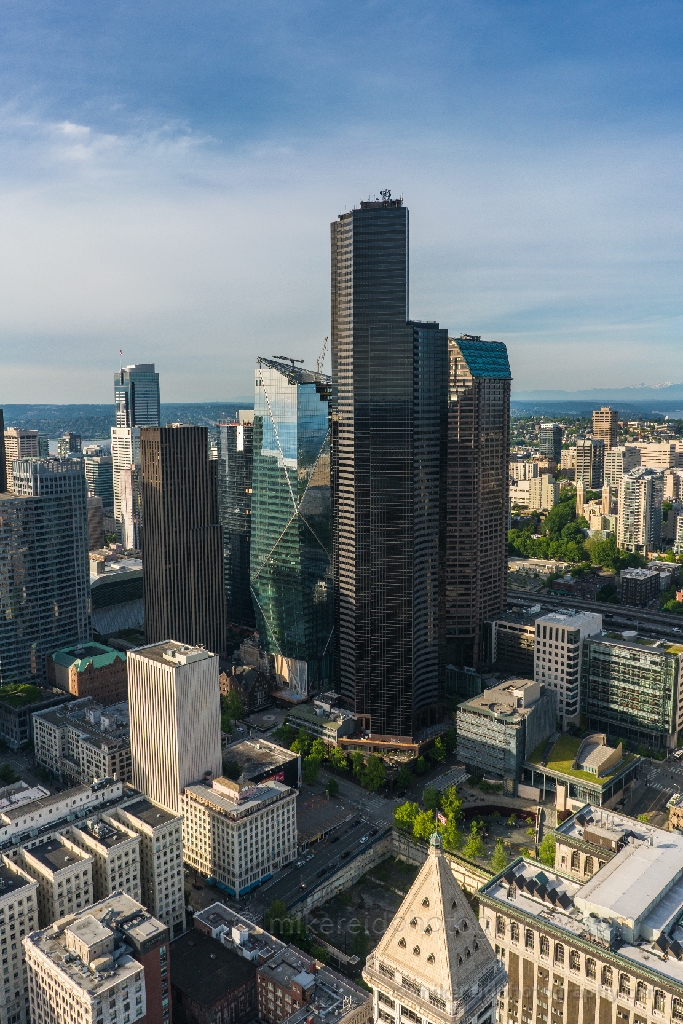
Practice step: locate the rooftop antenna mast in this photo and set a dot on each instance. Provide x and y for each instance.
(321, 358)
(288, 359)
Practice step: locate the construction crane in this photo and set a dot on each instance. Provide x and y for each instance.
(288, 359)
(321, 358)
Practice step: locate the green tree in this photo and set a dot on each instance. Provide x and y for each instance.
(405, 814)
(546, 851)
(404, 777)
(232, 770)
(421, 766)
(450, 834)
(298, 748)
(451, 803)
(321, 953)
(357, 763)
(450, 739)
(318, 750)
(431, 798)
(438, 751)
(310, 769)
(275, 915)
(499, 860)
(474, 847)
(338, 758)
(332, 787)
(361, 944)
(304, 740)
(232, 709)
(285, 735)
(512, 820)
(423, 825)
(7, 775)
(375, 774)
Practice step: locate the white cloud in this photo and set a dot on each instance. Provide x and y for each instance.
(180, 250)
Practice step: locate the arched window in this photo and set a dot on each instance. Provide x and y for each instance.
(624, 985)
(659, 1000)
(416, 950)
(576, 861)
(529, 938)
(588, 868)
(574, 960)
(607, 976)
(544, 945)
(500, 926)
(402, 943)
(430, 958)
(641, 993)
(425, 902)
(559, 953)
(590, 967)
(514, 931)
(413, 923)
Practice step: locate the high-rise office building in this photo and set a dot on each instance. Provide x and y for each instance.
(639, 522)
(550, 441)
(559, 638)
(590, 462)
(136, 395)
(99, 477)
(175, 719)
(3, 463)
(606, 426)
(69, 444)
(182, 538)
(44, 567)
(619, 460)
(390, 385)
(19, 444)
(477, 502)
(291, 523)
(125, 454)
(235, 461)
(43, 446)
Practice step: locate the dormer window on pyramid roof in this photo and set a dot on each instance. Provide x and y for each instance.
(430, 958)
(402, 943)
(428, 930)
(416, 950)
(425, 902)
(413, 923)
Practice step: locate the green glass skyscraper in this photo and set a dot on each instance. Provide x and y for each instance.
(291, 542)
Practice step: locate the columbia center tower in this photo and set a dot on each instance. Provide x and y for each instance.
(389, 422)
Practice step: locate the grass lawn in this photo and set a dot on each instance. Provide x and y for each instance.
(18, 695)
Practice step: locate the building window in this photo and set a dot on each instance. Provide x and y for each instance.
(641, 993)
(576, 861)
(658, 1001)
(529, 939)
(574, 960)
(544, 944)
(624, 985)
(514, 931)
(607, 976)
(590, 967)
(500, 926)
(559, 953)
(588, 867)
(677, 1009)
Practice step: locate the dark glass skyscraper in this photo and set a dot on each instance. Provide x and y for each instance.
(136, 394)
(390, 380)
(235, 463)
(182, 540)
(291, 529)
(478, 488)
(3, 467)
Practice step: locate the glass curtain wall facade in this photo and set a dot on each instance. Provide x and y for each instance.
(44, 568)
(291, 523)
(136, 395)
(632, 690)
(235, 464)
(388, 429)
(478, 494)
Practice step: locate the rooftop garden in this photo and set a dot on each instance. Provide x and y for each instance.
(562, 755)
(18, 695)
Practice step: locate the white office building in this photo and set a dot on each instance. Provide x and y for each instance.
(557, 658)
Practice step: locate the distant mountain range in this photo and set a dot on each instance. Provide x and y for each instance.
(95, 421)
(638, 393)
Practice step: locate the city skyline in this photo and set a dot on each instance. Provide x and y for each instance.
(141, 191)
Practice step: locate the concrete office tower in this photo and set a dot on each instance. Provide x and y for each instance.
(44, 571)
(136, 395)
(182, 539)
(3, 462)
(477, 502)
(291, 528)
(390, 385)
(550, 441)
(434, 958)
(590, 462)
(639, 522)
(235, 461)
(19, 444)
(175, 719)
(606, 426)
(619, 460)
(111, 958)
(19, 915)
(69, 444)
(557, 665)
(125, 454)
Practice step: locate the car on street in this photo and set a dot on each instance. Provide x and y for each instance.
(346, 853)
(364, 839)
(374, 831)
(321, 872)
(334, 839)
(300, 863)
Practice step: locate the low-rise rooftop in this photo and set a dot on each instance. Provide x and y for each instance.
(205, 970)
(152, 814)
(55, 855)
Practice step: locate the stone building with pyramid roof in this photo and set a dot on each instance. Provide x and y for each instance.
(434, 965)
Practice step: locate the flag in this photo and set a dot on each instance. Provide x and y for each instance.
(441, 818)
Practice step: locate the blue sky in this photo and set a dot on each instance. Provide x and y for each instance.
(168, 172)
